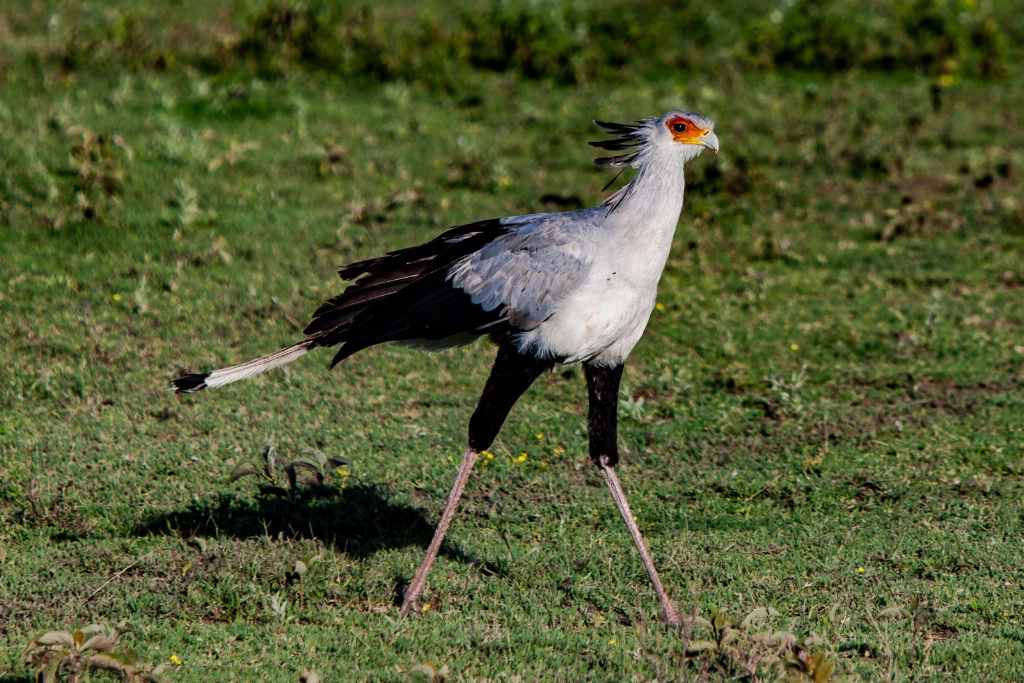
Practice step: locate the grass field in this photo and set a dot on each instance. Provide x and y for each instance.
(823, 418)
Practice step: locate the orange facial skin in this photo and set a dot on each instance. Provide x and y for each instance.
(684, 131)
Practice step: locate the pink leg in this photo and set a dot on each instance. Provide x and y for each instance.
(410, 604)
(512, 374)
(668, 610)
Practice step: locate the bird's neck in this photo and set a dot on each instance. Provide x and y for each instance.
(655, 195)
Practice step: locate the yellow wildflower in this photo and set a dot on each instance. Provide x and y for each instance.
(175, 661)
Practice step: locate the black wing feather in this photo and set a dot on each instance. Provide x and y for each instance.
(405, 295)
(432, 310)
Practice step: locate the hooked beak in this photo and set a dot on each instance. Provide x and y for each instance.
(710, 140)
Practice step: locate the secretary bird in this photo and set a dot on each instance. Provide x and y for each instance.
(546, 288)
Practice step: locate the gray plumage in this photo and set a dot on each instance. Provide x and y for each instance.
(527, 271)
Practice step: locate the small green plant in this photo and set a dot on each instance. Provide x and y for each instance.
(186, 203)
(299, 568)
(334, 160)
(786, 391)
(97, 160)
(633, 407)
(805, 665)
(279, 607)
(428, 673)
(904, 635)
(73, 657)
(747, 644)
(314, 471)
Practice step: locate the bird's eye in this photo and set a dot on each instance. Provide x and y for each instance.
(678, 127)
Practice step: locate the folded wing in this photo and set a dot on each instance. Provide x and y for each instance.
(490, 277)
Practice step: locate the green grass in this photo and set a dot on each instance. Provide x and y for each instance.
(834, 383)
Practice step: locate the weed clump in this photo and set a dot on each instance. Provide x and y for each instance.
(749, 647)
(120, 42)
(313, 471)
(58, 655)
(285, 33)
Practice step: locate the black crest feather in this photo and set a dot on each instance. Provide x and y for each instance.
(628, 137)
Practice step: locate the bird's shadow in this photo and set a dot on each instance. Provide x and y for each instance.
(359, 522)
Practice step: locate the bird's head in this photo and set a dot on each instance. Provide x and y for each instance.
(687, 128)
(681, 131)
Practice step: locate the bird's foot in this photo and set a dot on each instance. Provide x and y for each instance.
(410, 606)
(671, 617)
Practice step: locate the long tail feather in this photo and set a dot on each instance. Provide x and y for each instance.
(186, 384)
(401, 296)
